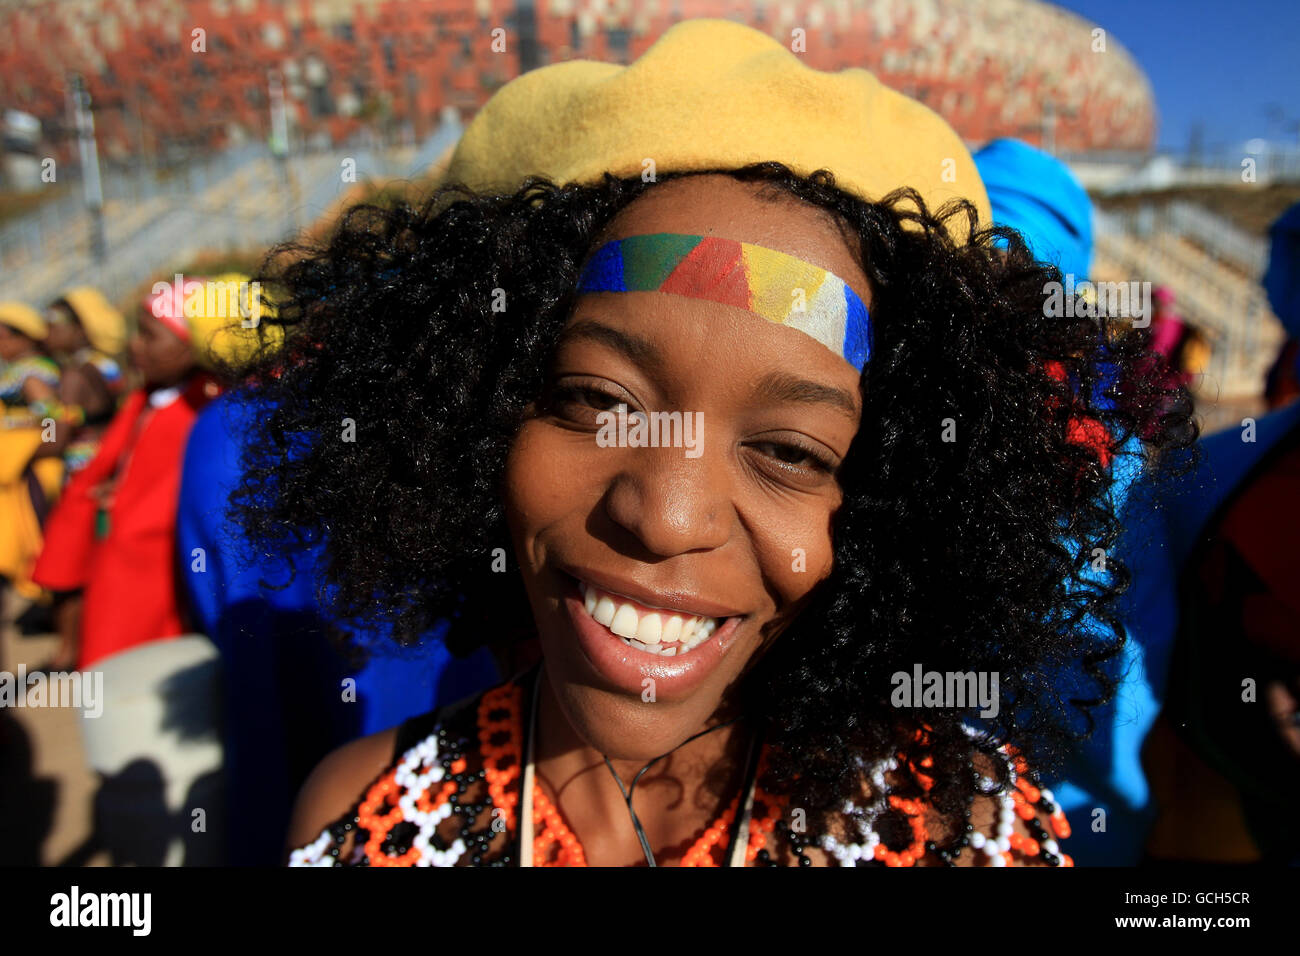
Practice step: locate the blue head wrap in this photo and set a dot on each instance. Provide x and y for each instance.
(1037, 195)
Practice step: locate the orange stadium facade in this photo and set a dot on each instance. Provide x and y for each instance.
(196, 73)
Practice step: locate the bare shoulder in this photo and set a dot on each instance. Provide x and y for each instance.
(337, 783)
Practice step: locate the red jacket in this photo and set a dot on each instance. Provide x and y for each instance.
(128, 576)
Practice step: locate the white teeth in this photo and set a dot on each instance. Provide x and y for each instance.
(653, 632)
(625, 622)
(672, 629)
(650, 630)
(604, 612)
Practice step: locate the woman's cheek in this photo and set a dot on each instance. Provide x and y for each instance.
(796, 550)
(539, 477)
(526, 481)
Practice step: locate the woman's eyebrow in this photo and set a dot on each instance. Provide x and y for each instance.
(781, 387)
(637, 349)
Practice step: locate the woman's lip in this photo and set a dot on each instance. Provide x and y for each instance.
(626, 668)
(676, 601)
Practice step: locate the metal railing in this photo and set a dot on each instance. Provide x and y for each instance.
(1232, 311)
(239, 200)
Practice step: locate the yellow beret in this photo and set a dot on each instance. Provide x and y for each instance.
(217, 333)
(25, 319)
(104, 325)
(713, 94)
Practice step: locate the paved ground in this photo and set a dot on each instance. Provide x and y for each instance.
(46, 789)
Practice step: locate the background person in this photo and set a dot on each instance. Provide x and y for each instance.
(110, 545)
(29, 481)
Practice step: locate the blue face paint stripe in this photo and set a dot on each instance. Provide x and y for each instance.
(857, 331)
(604, 273)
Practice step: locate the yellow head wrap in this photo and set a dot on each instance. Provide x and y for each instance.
(20, 316)
(216, 309)
(105, 327)
(220, 337)
(713, 94)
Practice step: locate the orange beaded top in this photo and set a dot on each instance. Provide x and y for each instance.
(446, 802)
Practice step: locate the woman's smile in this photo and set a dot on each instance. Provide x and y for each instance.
(654, 645)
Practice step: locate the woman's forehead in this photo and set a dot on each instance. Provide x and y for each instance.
(717, 205)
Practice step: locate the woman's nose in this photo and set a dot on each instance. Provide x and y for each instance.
(669, 502)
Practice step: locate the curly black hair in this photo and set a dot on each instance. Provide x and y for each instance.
(966, 554)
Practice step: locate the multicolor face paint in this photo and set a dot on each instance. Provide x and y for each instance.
(776, 286)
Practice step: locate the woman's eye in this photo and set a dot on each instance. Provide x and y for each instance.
(795, 456)
(581, 401)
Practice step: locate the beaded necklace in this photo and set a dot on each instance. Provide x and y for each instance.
(555, 831)
(398, 820)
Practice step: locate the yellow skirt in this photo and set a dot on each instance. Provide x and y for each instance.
(20, 530)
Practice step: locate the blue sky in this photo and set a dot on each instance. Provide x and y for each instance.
(1218, 62)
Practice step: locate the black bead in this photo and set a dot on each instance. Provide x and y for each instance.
(804, 861)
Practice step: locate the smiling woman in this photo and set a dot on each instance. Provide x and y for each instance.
(884, 472)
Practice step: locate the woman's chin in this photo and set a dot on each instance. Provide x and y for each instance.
(631, 730)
